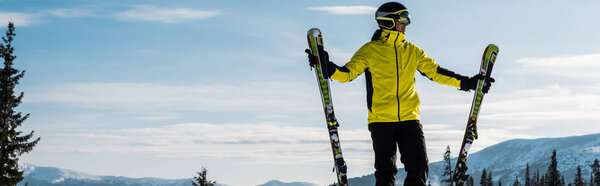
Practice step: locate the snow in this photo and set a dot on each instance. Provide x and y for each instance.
(57, 175)
(509, 158)
(58, 180)
(592, 149)
(505, 160)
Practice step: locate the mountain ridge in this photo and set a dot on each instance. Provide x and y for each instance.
(506, 160)
(509, 159)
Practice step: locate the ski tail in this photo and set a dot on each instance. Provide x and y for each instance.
(487, 63)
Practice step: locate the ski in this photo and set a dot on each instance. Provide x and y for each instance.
(315, 43)
(487, 63)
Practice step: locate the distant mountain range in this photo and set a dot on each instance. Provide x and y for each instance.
(51, 176)
(279, 183)
(506, 160)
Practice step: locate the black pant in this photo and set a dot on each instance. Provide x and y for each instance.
(408, 137)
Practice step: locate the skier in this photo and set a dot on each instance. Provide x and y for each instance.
(390, 63)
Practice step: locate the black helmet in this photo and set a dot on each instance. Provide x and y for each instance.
(386, 13)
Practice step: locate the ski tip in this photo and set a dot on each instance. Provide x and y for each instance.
(493, 47)
(314, 32)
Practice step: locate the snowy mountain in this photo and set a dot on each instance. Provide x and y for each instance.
(51, 176)
(509, 159)
(279, 183)
(505, 160)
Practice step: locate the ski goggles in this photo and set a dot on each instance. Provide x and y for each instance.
(402, 16)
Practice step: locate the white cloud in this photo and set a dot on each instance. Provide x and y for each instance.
(262, 142)
(345, 10)
(520, 111)
(264, 96)
(252, 143)
(19, 19)
(27, 19)
(269, 143)
(175, 15)
(583, 67)
(509, 113)
(69, 12)
(156, 116)
(549, 103)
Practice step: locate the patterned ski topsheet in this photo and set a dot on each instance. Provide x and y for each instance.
(315, 43)
(487, 63)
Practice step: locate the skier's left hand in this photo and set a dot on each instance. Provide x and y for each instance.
(312, 60)
(471, 83)
(328, 67)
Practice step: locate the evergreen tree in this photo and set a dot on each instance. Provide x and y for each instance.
(591, 178)
(578, 181)
(490, 181)
(527, 177)
(542, 180)
(470, 181)
(595, 172)
(553, 176)
(516, 183)
(201, 179)
(12, 143)
(447, 176)
(535, 181)
(484, 180)
(499, 182)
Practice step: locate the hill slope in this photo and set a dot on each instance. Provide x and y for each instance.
(509, 158)
(52, 176)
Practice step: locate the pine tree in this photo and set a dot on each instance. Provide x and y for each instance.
(470, 181)
(595, 172)
(578, 181)
(201, 179)
(553, 175)
(447, 175)
(516, 183)
(484, 180)
(527, 177)
(12, 143)
(535, 181)
(490, 181)
(592, 179)
(543, 180)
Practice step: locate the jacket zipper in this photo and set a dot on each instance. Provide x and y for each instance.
(397, 77)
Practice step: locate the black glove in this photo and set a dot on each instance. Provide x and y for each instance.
(467, 84)
(328, 67)
(311, 58)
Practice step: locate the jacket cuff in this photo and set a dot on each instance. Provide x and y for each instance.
(464, 84)
(331, 68)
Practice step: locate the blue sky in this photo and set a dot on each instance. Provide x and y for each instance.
(161, 88)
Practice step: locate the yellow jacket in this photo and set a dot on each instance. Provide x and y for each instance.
(389, 64)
